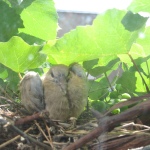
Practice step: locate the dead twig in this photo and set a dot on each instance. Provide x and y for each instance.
(133, 100)
(15, 129)
(29, 118)
(43, 133)
(108, 123)
(50, 139)
(14, 139)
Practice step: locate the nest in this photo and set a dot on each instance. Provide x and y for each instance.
(93, 131)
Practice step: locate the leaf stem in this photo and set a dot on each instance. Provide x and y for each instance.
(108, 81)
(148, 70)
(20, 76)
(139, 73)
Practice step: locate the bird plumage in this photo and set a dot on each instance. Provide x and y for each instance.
(65, 91)
(32, 95)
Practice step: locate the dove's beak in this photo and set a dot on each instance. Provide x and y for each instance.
(63, 85)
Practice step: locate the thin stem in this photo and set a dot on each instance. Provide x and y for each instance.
(139, 73)
(20, 76)
(13, 2)
(91, 85)
(148, 70)
(108, 81)
(103, 95)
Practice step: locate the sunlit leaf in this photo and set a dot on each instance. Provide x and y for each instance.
(104, 40)
(39, 18)
(138, 5)
(19, 56)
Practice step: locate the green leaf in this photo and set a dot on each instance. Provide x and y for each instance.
(128, 81)
(113, 62)
(10, 22)
(140, 87)
(104, 40)
(3, 85)
(19, 56)
(90, 63)
(102, 69)
(3, 74)
(136, 52)
(133, 22)
(118, 87)
(104, 94)
(144, 42)
(98, 70)
(99, 105)
(30, 39)
(96, 87)
(140, 60)
(138, 5)
(94, 90)
(125, 67)
(133, 69)
(114, 95)
(39, 18)
(13, 80)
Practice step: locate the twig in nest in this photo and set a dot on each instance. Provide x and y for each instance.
(131, 124)
(9, 118)
(13, 128)
(43, 133)
(10, 101)
(89, 124)
(29, 118)
(14, 139)
(108, 123)
(48, 133)
(5, 105)
(6, 99)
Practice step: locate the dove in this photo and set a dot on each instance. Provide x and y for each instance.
(65, 91)
(32, 95)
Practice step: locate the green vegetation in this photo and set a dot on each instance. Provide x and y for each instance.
(28, 42)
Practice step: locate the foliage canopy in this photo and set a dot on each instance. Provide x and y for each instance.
(28, 41)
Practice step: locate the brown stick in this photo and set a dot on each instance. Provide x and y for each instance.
(128, 102)
(29, 118)
(14, 139)
(50, 143)
(108, 123)
(15, 129)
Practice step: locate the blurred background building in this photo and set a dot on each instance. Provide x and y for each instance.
(69, 20)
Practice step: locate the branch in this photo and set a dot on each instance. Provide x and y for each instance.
(108, 81)
(13, 128)
(108, 123)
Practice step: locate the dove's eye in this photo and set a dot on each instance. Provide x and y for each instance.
(68, 77)
(51, 72)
